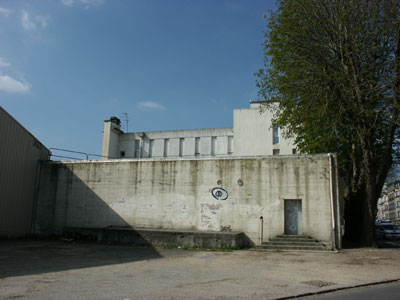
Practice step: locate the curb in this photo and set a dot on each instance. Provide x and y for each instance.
(338, 289)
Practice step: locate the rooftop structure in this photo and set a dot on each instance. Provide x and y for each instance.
(253, 134)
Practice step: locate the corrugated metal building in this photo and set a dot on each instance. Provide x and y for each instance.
(20, 156)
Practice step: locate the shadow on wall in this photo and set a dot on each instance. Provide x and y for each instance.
(53, 218)
(93, 200)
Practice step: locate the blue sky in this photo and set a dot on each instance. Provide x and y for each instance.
(67, 65)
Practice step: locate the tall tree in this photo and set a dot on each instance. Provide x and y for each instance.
(334, 66)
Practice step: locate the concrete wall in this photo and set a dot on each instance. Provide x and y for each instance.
(20, 153)
(177, 194)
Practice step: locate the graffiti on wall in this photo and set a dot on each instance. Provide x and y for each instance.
(219, 193)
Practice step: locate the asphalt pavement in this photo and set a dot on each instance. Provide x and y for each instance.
(34, 269)
(388, 291)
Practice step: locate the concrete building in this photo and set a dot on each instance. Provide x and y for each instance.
(20, 156)
(209, 181)
(260, 196)
(252, 134)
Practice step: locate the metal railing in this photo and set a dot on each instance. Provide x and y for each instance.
(87, 155)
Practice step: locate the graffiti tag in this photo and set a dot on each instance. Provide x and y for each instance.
(219, 193)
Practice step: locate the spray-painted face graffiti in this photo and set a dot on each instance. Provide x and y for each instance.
(219, 193)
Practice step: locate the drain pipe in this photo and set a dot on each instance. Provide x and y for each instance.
(261, 229)
(36, 196)
(332, 196)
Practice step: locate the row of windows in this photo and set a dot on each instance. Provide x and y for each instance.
(277, 151)
(138, 153)
(391, 206)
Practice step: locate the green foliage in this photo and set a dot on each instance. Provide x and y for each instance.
(331, 65)
(334, 67)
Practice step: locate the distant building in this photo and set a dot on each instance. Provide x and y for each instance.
(389, 203)
(253, 134)
(383, 206)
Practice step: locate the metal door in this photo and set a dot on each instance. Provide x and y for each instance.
(293, 217)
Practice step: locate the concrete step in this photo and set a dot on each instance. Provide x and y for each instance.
(288, 236)
(291, 247)
(293, 237)
(285, 242)
(293, 242)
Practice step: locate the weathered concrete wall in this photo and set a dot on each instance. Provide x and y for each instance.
(177, 194)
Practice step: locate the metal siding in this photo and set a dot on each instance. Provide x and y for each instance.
(18, 162)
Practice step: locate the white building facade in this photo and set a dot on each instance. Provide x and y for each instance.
(389, 203)
(253, 134)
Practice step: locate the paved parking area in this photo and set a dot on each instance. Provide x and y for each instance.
(75, 270)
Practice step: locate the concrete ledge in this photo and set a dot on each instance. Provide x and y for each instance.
(162, 237)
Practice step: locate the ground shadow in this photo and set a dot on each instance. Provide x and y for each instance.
(64, 201)
(389, 244)
(393, 244)
(27, 257)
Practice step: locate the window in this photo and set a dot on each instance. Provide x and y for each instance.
(398, 204)
(181, 143)
(398, 214)
(213, 142)
(151, 148)
(230, 144)
(294, 151)
(166, 143)
(122, 153)
(275, 152)
(137, 148)
(275, 132)
(197, 146)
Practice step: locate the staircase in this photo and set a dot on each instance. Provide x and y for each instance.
(293, 242)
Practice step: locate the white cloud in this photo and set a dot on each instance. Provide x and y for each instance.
(67, 2)
(150, 105)
(32, 22)
(86, 3)
(4, 12)
(4, 62)
(11, 85)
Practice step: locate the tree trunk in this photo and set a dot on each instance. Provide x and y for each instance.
(353, 217)
(369, 207)
(369, 213)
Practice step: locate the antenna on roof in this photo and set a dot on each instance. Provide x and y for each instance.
(126, 120)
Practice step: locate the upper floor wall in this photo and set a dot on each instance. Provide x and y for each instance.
(252, 134)
(255, 133)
